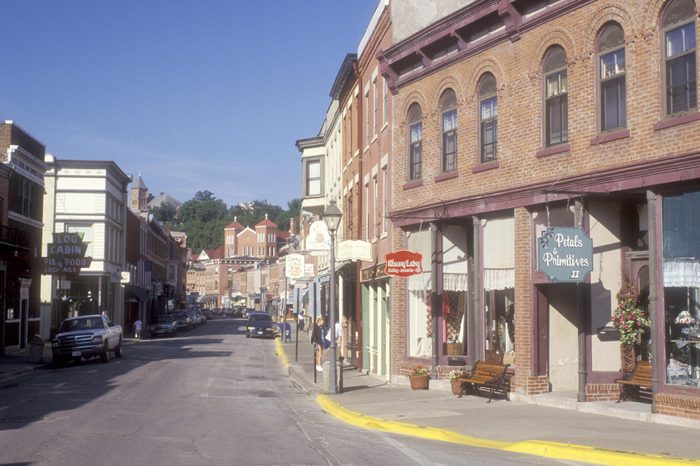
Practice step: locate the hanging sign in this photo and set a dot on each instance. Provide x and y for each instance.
(66, 255)
(294, 266)
(565, 254)
(354, 250)
(318, 240)
(404, 263)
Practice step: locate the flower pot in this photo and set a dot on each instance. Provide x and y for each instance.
(456, 387)
(419, 382)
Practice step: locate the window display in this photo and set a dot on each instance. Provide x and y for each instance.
(681, 279)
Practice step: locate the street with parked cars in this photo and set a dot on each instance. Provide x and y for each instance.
(208, 396)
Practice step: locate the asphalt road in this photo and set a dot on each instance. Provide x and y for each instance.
(206, 397)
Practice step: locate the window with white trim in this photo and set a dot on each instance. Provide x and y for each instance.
(415, 155)
(611, 52)
(679, 55)
(556, 102)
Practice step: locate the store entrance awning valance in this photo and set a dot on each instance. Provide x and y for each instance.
(135, 293)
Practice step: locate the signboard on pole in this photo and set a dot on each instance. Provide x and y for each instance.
(404, 263)
(565, 255)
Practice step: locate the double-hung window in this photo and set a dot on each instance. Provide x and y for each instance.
(375, 99)
(679, 54)
(611, 50)
(415, 142)
(556, 105)
(313, 178)
(488, 118)
(448, 105)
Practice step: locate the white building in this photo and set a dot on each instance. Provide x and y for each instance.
(87, 197)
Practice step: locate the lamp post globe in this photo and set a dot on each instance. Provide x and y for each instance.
(332, 216)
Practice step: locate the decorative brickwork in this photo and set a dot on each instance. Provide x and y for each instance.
(536, 385)
(602, 392)
(678, 405)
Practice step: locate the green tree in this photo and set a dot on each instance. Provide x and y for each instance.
(164, 213)
(203, 219)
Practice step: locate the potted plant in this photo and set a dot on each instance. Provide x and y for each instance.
(456, 386)
(419, 378)
(632, 322)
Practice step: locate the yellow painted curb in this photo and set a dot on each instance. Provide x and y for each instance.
(279, 349)
(530, 447)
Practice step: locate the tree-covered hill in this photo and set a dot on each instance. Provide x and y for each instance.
(204, 217)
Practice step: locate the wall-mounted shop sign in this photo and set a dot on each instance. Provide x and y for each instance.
(66, 254)
(373, 273)
(564, 254)
(404, 263)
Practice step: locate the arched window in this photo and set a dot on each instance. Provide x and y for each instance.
(415, 156)
(556, 106)
(611, 53)
(678, 26)
(488, 118)
(448, 107)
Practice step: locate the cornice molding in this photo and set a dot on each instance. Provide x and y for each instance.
(514, 26)
(629, 178)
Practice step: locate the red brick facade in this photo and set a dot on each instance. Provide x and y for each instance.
(651, 151)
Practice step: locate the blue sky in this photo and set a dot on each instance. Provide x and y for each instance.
(195, 95)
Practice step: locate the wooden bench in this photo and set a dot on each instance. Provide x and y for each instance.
(491, 376)
(640, 377)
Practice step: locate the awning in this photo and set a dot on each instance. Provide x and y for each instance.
(135, 293)
(208, 298)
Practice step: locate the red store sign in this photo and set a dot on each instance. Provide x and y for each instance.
(404, 263)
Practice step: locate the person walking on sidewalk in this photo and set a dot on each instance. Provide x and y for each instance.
(318, 340)
(138, 326)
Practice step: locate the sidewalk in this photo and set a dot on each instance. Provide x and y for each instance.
(18, 363)
(552, 425)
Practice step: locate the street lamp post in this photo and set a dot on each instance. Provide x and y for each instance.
(332, 216)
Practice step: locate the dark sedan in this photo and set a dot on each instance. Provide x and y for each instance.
(162, 325)
(260, 325)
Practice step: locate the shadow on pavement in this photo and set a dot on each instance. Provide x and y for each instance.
(45, 396)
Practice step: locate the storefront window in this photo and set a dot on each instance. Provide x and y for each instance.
(681, 279)
(455, 288)
(499, 284)
(419, 286)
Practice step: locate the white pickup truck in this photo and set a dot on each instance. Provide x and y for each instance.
(86, 337)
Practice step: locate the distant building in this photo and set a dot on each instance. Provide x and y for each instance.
(163, 198)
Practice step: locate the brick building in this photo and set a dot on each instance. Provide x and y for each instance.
(375, 142)
(511, 117)
(21, 204)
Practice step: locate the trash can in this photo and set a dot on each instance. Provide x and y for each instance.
(36, 349)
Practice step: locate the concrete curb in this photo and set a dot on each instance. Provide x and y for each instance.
(561, 451)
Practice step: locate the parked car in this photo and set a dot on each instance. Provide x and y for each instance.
(163, 324)
(260, 325)
(182, 320)
(197, 318)
(86, 337)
